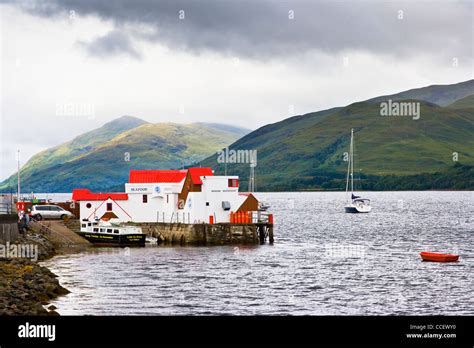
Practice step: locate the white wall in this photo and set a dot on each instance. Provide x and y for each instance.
(99, 208)
(215, 190)
(164, 200)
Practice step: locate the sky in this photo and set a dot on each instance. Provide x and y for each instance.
(70, 66)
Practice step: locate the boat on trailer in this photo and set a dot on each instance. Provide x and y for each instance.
(355, 204)
(109, 233)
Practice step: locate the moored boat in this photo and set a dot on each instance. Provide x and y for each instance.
(355, 204)
(438, 257)
(112, 234)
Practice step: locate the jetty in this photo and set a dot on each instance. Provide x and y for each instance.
(189, 206)
(201, 234)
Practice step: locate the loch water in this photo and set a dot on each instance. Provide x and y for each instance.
(323, 262)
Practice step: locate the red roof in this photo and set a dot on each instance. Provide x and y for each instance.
(169, 176)
(86, 195)
(154, 176)
(196, 174)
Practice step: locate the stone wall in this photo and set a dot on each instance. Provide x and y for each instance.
(199, 234)
(202, 234)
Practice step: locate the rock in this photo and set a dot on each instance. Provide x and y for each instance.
(25, 287)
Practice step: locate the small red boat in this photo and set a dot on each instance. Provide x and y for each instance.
(438, 257)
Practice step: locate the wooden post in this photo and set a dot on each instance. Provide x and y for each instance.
(261, 234)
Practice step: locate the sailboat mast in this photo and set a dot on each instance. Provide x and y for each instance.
(352, 160)
(348, 167)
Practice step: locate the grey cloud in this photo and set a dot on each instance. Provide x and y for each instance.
(114, 42)
(263, 29)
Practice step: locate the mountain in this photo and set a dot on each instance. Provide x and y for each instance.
(464, 103)
(306, 152)
(101, 159)
(442, 95)
(80, 145)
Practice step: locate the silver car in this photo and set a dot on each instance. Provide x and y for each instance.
(40, 212)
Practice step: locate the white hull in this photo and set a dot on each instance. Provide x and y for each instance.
(358, 208)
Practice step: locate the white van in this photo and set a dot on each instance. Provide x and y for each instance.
(49, 212)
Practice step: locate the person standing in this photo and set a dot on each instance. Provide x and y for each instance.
(21, 221)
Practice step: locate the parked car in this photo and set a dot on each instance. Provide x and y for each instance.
(40, 212)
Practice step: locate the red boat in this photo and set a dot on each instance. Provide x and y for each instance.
(438, 257)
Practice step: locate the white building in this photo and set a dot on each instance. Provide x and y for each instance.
(194, 195)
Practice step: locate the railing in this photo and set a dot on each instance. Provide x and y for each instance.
(6, 208)
(47, 230)
(251, 217)
(246, 217)
(176, 217)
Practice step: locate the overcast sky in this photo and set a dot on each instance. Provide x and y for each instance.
(70, 66)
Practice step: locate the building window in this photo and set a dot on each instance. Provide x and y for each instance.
(109, 206)
(145, 198)
(233, 182)
(88, 205)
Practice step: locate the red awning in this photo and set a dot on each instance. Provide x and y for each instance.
(86, 195)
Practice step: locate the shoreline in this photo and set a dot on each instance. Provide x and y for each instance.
(27, 287)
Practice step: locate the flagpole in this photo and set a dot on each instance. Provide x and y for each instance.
(18, 174)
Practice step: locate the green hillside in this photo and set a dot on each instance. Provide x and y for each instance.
(303, 152)
(101, 159)
(442, 95)
(464, 103)
(80, 145)
(306, 152)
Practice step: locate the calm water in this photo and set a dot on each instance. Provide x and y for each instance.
(323, 262)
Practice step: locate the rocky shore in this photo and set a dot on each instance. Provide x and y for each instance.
(26, 287)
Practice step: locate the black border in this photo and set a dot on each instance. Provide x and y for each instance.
(239, 331)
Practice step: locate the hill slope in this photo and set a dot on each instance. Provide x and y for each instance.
(81, 144)
(464, 103)
(102, 158)
(442, 95)
(306, 152)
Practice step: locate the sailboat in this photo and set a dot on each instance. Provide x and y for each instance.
(355, 204)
